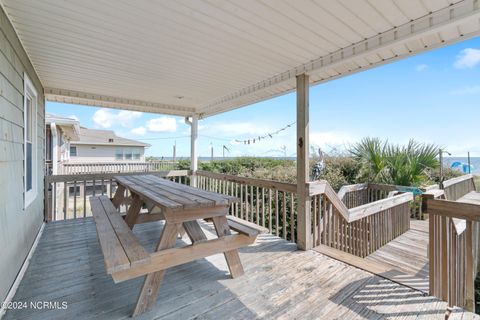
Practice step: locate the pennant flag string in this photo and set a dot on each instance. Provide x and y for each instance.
(267, 135)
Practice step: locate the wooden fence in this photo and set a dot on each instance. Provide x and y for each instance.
(362, 229)
(454, 236)
(458, 187)
(453, 251)
(66, 195)
(115, 167)
(270, 204)
(359, 194)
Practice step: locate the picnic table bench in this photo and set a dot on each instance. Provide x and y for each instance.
(181, 207)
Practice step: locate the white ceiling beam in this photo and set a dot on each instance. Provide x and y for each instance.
(459, 13)
(91, 99)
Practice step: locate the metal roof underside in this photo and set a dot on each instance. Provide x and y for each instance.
(184, 57)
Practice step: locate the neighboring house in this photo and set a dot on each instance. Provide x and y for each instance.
(59, 131)
(104, 146)
(68, 144)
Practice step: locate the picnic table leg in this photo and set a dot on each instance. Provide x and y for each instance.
(133, 211)
(194, 231)
(148, 293)
(119, 196)
(232, 257)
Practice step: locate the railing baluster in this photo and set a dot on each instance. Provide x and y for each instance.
(292, 217)
(263, 207)
(257, 205)
(65, 208)
(84, 198)
(270, 210)
(54, 196)
(75, 199)
(276, 213)
(284, 216)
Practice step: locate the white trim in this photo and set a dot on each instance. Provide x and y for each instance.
(30, 91)
(99, 100)
(54, 141)
(193, 148)
(466, 10)
(21, 273)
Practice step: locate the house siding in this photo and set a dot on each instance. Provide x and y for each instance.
(100, 153)
(18, 226)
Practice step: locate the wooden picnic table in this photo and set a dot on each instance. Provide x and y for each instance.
(180, 206)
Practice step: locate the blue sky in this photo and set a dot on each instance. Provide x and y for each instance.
(433, 97)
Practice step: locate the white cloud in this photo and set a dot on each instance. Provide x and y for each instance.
(139, 131)
(468, 58)
(468, 90)
(106, 119)
(162, 124)
(421, 67)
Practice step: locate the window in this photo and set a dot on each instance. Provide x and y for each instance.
(73, 151)
(118, 154)
(136, 153)
(128, 153)
(30, 150)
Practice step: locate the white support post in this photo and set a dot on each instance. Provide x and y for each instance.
(193, 150)
(304, 234)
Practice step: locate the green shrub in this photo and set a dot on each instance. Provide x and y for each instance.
(394, 164)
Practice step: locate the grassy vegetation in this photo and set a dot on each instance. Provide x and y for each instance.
(371, 160)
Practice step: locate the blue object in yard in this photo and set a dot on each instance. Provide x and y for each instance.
(456, 164)
(463, 167)
(416, 191)
(467, 168)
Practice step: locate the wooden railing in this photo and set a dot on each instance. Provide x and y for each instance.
(270, 204)
(115, 167)
(454, 234)
(357, 230)
(66, 196)
(359, 194)
(453, 251)
(458, 187)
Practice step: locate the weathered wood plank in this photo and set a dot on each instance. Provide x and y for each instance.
(133, 249)
(320, 287)
(115, 257)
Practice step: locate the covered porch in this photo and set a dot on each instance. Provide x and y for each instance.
(280, 282)
(196, 60)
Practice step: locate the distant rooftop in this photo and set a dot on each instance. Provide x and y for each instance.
(50, 118)
(92, 136)
(105, 137)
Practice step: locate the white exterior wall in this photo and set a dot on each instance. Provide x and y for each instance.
(100, 153)
(18, 225)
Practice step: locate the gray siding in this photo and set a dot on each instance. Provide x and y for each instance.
(101, 153)
(18, 226)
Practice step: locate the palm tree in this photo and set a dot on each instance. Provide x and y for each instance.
(401, 165)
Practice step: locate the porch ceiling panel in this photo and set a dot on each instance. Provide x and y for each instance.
(183, 57)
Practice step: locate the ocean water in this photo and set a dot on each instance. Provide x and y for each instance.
(474, 161)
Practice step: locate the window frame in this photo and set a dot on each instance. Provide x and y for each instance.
(29, 92)
(136, 152)
(70, 151)
(128, 155)
(117, 153)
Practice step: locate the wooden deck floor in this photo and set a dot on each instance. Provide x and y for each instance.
(407, 253)
(279, 283)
